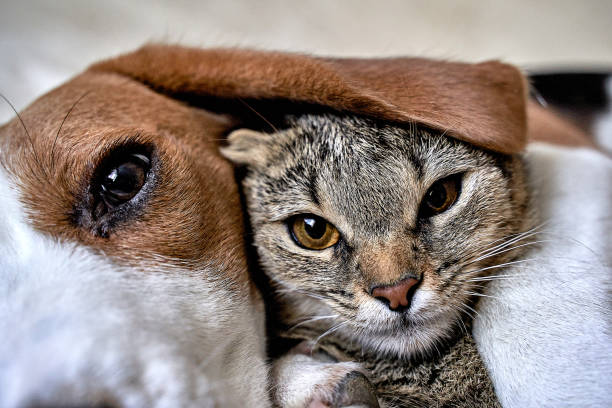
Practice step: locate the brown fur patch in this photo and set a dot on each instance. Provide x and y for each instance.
(192, 218)
(483, 104)
(544, 125)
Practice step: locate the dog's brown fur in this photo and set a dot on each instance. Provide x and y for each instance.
(196, 211)
(463, 100)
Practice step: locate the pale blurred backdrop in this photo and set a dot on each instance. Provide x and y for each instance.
(43, 43)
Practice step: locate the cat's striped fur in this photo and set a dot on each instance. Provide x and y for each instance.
(368, 179)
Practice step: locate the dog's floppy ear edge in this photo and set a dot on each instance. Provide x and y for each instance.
(483, 104)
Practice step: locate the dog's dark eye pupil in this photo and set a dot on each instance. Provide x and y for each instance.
(315, 227)
(125, 180)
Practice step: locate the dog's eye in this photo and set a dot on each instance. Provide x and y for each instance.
(119, 188)
(313, 232)
(119, 179)
(440, 196)
(124, 180)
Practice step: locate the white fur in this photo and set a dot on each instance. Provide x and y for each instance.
(301, 378)
(602, 126)
(75, 329)
(545, 336)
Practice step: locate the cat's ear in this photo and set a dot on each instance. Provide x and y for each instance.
(246, 147)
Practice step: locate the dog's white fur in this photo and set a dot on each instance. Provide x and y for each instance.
(545, 334)
(151, 336)
(603, 122)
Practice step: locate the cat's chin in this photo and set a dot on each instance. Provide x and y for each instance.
(403, 337)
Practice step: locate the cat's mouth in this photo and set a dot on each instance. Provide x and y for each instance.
(420, 310)
(400, 323)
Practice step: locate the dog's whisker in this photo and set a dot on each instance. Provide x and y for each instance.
(36, 158)
(62, 124)
(258, 114)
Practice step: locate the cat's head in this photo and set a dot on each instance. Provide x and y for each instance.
(391, 229)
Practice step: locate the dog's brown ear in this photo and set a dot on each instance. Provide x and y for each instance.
(484, 104)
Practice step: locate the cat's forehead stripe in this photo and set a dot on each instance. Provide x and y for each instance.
(385, 170)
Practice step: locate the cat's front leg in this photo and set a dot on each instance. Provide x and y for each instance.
(306, 379)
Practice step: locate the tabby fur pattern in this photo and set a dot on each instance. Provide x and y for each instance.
(368, 178)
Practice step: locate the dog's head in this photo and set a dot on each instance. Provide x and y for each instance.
(123, 279)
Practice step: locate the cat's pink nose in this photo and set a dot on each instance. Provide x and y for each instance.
(396, 296)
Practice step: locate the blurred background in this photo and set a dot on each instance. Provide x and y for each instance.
(43, 43)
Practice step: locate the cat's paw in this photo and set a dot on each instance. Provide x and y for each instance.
(314, 380)
(354, 390)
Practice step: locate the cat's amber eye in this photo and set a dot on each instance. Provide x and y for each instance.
(441, 196)
(313, 232)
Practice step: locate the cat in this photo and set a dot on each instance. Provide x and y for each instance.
(377, 240)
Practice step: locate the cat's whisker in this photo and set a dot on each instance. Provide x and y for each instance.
(502, 251)
(462, 310)
(300, 291)
(480, 295)
(502, 265)
(471, 309)
(314, 319)
(508, 240)
(463, 327)
(328, 332)
(435, 345)
(508, 246)
(477, 286)
(477, 255)
(493, 278)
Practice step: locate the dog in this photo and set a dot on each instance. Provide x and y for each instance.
(116, 302)
(123, 267)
